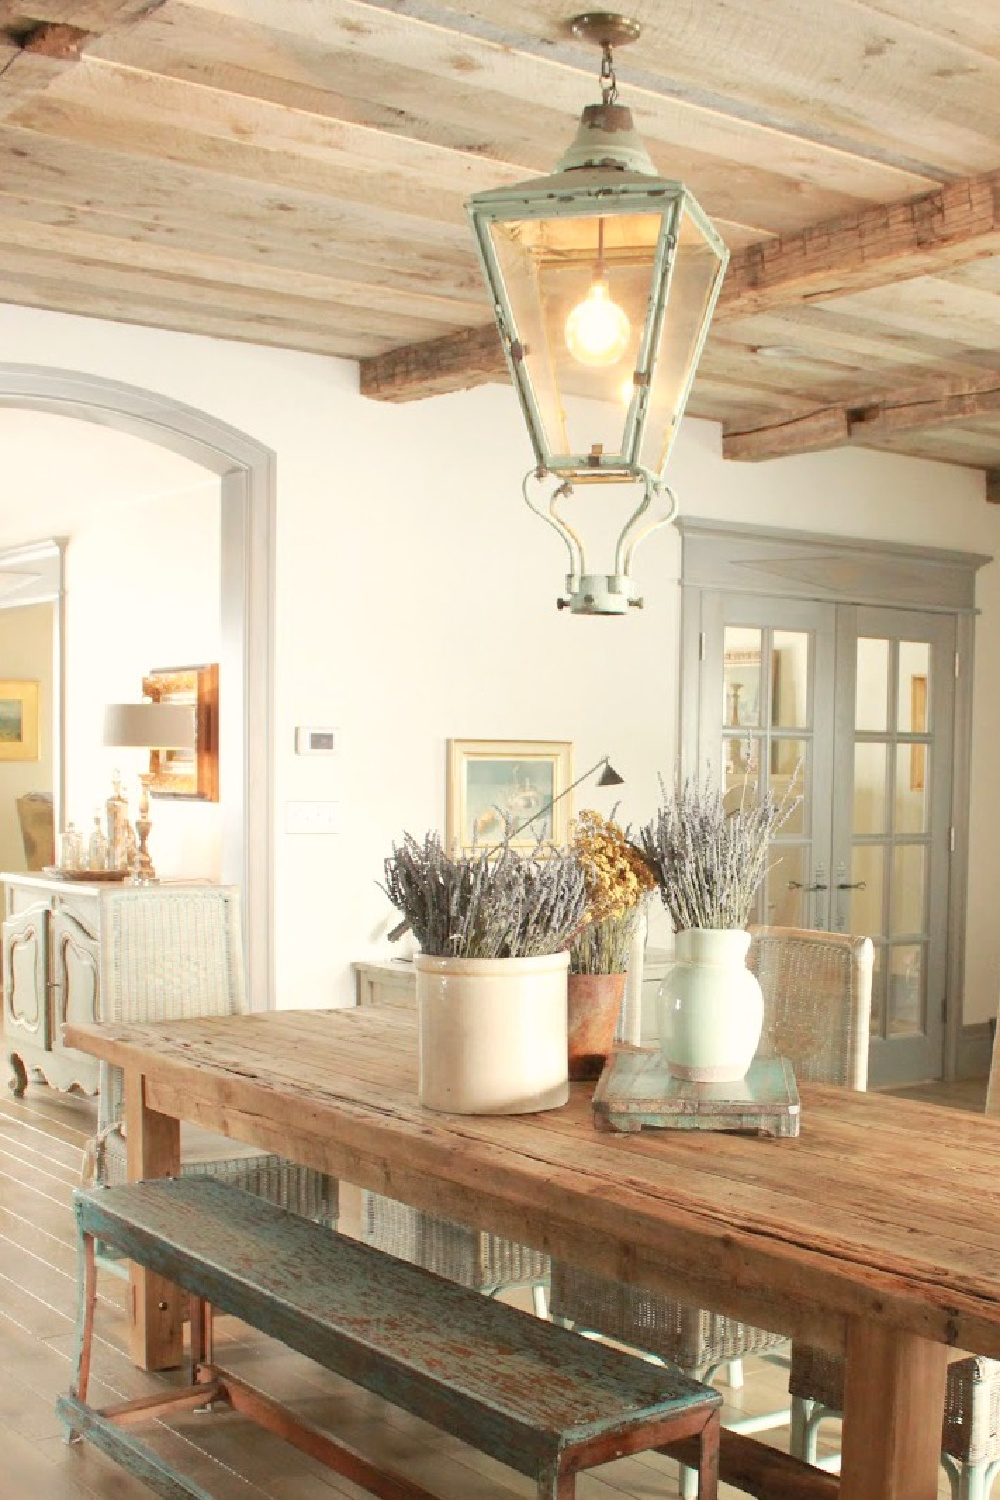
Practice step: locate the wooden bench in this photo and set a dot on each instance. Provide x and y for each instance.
(533, 1395)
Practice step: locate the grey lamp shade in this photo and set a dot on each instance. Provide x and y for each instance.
(150, 726)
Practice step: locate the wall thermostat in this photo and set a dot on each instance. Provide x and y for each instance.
(312, 741)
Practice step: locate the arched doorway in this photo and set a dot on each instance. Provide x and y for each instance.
(246, 470)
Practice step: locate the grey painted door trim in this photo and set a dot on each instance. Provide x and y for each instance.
(247, 472)
(724, 556)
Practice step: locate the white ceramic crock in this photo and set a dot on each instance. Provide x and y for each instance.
(492, 1033)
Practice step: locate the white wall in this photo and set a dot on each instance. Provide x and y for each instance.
(415, 601)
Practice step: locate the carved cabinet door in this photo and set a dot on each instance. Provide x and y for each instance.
(25, 977)
(75, 968)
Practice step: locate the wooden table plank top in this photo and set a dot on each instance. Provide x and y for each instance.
(882, 1209)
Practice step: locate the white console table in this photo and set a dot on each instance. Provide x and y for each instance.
(393, 981)
(51, 975)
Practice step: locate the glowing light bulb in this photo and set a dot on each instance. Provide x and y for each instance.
(597, 330)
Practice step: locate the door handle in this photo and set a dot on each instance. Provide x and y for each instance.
(859, 885)
(796, 885)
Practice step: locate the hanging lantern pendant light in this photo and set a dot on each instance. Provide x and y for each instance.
(604, 276)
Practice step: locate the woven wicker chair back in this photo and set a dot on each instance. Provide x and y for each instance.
(166, 955)
(971, 1431)
(817, 1001)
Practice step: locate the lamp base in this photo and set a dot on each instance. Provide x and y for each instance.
(142, 870)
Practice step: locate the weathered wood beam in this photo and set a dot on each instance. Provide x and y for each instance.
(64, 43)
(31, 58)
(871, 247)
(40, 39)
(810, 433)
(874, 246)
(912, 410)
(455, 362)
(958, 401)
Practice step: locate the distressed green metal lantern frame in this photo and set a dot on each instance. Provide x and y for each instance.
(604, 277)
(600, 195)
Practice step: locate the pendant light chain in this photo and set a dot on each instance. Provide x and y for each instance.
(609, 83)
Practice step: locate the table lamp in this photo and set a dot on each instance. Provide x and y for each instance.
(148, 726)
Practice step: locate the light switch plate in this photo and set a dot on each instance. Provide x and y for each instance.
(312, 817)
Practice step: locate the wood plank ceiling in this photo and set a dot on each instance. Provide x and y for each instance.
(294, 172)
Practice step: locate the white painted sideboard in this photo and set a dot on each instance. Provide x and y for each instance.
(51, 975)
(51, 965)
(393, 981)
(390, 981)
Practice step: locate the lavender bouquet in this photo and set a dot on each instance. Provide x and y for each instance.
(709, 862)
(490, 903)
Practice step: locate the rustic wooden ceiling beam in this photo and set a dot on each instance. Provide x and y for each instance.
(809, 433)
(37, 43)
(455, 362)
(915, 410)
(869, 248)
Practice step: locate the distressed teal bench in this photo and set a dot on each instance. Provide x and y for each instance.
(545, 1401)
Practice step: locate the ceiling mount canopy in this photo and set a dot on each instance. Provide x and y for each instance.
(604, 276)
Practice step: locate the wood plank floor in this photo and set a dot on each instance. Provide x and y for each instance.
(42, 1138)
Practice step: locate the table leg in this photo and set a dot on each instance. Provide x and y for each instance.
(893, 1410)
(154, 1150)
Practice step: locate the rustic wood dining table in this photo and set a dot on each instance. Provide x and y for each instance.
(876, 1231)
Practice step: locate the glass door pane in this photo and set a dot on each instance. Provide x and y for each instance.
(771, 725)
(891, 864)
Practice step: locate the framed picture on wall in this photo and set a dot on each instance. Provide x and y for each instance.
(18, 720)
(494, 785)
(187, 773)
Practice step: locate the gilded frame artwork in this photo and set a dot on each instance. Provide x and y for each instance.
(493, 780)
(190, 774)
(19, 739)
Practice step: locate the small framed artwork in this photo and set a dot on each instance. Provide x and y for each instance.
(18, 720)
(187, 773)
(496, 786)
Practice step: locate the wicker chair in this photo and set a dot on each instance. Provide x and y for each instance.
(487, 1262)
(970, 1437)
(175, 952)
(817, 1000)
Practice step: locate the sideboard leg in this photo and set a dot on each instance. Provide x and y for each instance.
(18, 1075)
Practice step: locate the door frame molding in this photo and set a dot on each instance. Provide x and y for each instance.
(787, 564)
(246, 469)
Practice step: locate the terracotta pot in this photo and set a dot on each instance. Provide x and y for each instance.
(595, 1002)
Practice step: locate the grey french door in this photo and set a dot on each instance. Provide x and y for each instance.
(851, 708)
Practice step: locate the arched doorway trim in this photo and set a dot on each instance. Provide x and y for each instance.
(247, 472)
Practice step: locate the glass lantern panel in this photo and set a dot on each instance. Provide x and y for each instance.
(689, 299)
(520, 279)
(578, 289)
